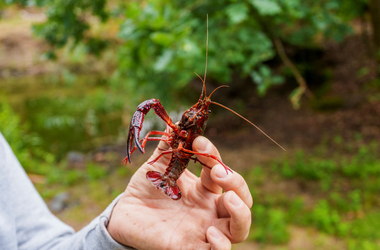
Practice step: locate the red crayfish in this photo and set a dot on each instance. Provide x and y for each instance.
(180, 138)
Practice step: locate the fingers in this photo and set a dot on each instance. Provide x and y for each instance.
(236, 228)
(217, 239)
(232, 182)
(240, 222)
(208, 183)
(203, 145)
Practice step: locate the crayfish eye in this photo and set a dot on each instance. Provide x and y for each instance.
(209, 111)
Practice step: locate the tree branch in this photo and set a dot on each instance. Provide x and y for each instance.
(297, 75)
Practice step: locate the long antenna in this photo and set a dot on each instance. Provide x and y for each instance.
(204, 84)
(249, 123)
(221, 86)
(204, 79)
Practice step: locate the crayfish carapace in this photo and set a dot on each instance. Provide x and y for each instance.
(180, 138)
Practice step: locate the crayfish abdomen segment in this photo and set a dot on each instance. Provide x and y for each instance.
(164, 183)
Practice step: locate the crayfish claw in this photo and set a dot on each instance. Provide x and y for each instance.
(136, 132)
(129, 146)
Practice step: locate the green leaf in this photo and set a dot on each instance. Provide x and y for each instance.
(162, 38)
(49, 55)
(237, 12)
(277, 80)
(264, 79)
(266, 7)
(190, 47)
(163, 60)
(127, 30)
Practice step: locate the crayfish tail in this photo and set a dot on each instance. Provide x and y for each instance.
(165, 184)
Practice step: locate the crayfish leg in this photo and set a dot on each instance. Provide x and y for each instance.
(147, 138)
(144, 141)
(195, 159)
(209, 155)
(169, 151)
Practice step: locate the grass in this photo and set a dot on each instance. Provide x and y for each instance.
(337, 194)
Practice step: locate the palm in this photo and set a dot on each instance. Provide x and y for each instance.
(187, 218)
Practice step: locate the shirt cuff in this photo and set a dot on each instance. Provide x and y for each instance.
(104, 237)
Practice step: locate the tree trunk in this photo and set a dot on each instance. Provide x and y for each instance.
(374, 7)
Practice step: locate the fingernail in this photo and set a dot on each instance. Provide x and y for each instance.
(215, 233)
(235, 200)
(220, 171)
(202, 144)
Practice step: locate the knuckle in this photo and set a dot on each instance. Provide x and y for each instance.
(236, 180)
(240, 238)
(242, 226)
(244, 237)
(248, 220)
(237, 183)
(244, 218)
(241, 235)
(241, 185)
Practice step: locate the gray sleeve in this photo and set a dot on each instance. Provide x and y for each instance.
(27, 223)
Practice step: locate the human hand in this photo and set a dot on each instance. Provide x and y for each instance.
(204, 218)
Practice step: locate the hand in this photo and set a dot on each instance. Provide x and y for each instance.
(204, 218)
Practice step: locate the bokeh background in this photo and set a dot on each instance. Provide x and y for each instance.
(306, 72)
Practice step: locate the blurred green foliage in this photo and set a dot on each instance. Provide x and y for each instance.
(362, 163)
(328, 220)
(341, 203)
(362, 245)
(65, 22)
(25, 144)
(269, 225)
(71, 114)
(64, 176)
(95, 172)
(163, 42)
(34, 158)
